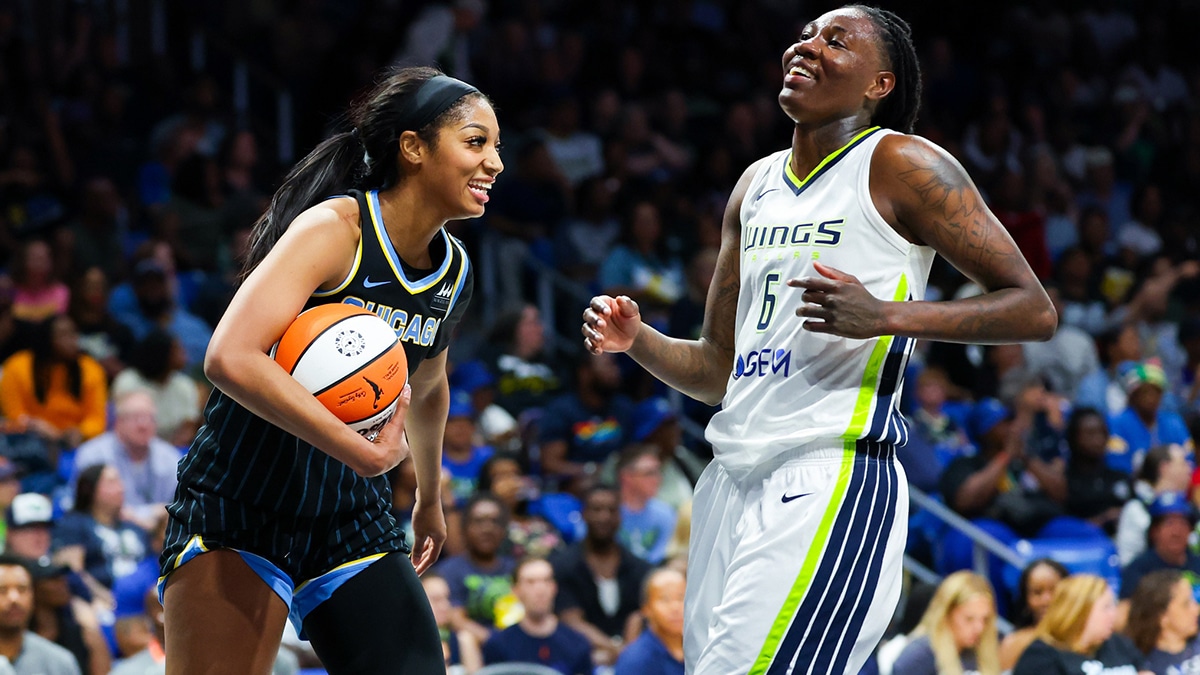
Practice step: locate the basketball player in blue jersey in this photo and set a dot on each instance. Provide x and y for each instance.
(282, 511)
(799, 524)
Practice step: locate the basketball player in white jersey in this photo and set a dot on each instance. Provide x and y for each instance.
(799, 524)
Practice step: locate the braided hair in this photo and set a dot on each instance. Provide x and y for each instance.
(898, 110)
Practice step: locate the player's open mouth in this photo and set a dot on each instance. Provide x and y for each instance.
(480, 189)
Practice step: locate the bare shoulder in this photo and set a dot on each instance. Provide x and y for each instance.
(341, 211)
(743, 184)
(916, 184)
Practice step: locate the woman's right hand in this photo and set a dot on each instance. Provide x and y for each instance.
(610, 324)
(390, 447)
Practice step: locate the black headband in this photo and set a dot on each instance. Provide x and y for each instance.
(433, 98)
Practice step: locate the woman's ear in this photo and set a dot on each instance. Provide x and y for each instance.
(884, 83)
(412, 148)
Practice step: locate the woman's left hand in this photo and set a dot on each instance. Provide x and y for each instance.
(429, 532)
(837, 303)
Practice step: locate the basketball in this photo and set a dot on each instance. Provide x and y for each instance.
(348, 358)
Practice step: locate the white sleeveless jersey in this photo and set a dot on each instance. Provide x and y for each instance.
(789, 386)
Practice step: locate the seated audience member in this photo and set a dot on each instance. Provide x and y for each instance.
(1162, 623)
(656, 423)
(105, 545)
(52, 389)
(659, 649)
(479, 577)
(1101, 389)
(1144, 423)
(957, 632)
(529, 535)
(461, 456)
(157, 368)
(1166, 468)
(1076, 637)
(581, 428)
(10, 487)
(646, 522)
(1171, 521)
(1002, 483)
(100, 335)
(525, 377)
(1096, 492)
(599, 581)
(1035, 588)
(494, 425)
(38, 295)
(145, 462)
(26, 651)
(157, 307)
(66, 620)
(460, 647)
(539, 637)
(932, 427)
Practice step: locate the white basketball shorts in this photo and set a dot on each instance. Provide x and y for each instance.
(796, 569)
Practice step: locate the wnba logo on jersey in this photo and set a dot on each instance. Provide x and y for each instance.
(762, 362)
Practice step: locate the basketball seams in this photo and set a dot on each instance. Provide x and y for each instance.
(315, 338)
(361, 368)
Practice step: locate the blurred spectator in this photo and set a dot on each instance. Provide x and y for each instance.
(1101, 389)
(65, 620)
(26, 651)
(157, 369)
(461, 457)
(1171, 521)
(96, 236)
(52, 389)
(539, 637)
(102, 542)
(642, 265)
(1095, 491)
(11, 329)
(1163, 616)
(931, 426)
(101, 336)
(1027, 227)
(586, 237)
(1035, 589)
(659, 648)
(1188, 390)
(580, 429)
(598, 580)
(1143, 424)
(194, 222)
(1066, 359)
(1165, 469)
(494, 425)
(459, 646)
(647, 523)
(30, 524)
(576, 153)
(525, 378)
(655, 423)
(529, 535)
(1002, 482)
(957, 632)
(480, 577)
(39, 295)
(687, 313)
(1078, 629)
(157, 308)
(1103, 189)
(145, 463)
(10, 487)
(442, 35)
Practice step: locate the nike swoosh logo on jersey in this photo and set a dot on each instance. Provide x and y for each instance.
(760, 195)
(367, 283)
(787, 499)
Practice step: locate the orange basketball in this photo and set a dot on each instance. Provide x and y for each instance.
(350, 359)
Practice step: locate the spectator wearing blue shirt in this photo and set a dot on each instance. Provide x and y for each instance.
(461, 457)
(539, 637)
(659, 649)
(1171, 522)
(647, 523)
(1143, 424)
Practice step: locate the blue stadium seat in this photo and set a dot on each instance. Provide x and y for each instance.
(1093, 555)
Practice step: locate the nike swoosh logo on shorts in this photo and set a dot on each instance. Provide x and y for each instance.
(367, 283)
(787, 499)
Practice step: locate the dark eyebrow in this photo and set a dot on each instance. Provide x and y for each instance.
(476, 125)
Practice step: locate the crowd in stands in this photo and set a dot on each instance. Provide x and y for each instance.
(130, 179)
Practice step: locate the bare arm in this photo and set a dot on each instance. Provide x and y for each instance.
(430, 404)
(979, 489)
(699, 368)
(315, 251)
(927, 196)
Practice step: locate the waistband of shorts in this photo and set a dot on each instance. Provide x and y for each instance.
(819, 452)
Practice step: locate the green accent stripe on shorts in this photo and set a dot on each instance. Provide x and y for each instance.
(870, 380)
(804, 579)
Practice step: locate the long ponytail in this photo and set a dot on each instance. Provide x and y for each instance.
(364, 158)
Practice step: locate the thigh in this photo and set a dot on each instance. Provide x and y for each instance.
(221, 617)
(717, 507)
(813, 579)
(377, 622)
